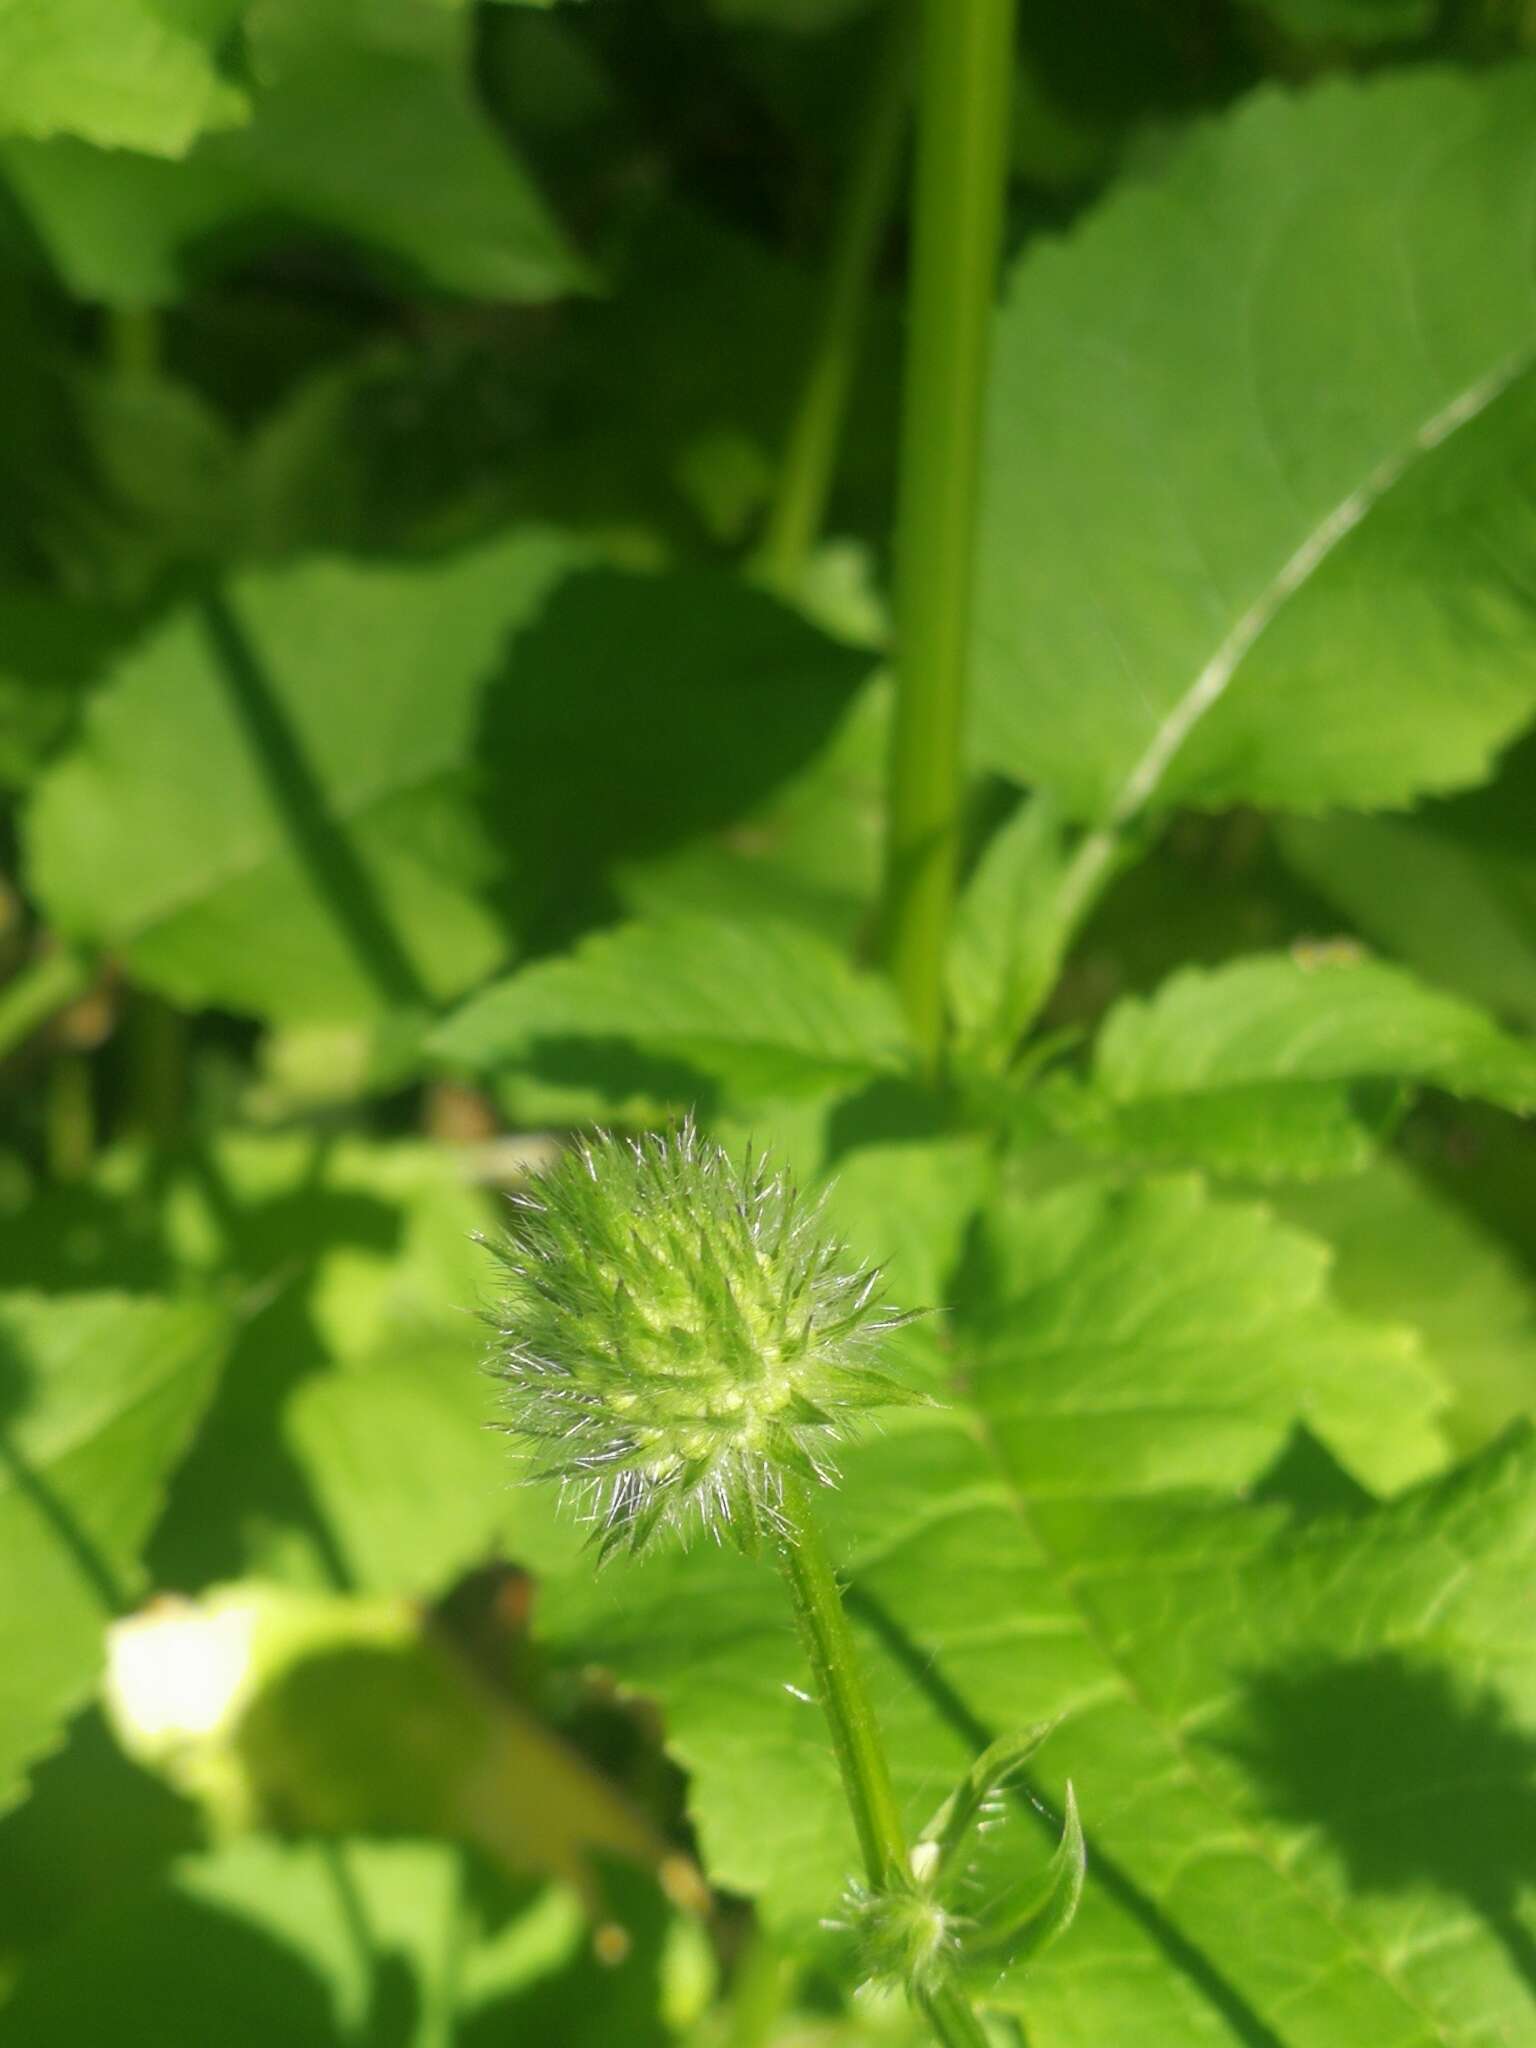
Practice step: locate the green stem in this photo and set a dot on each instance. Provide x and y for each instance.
(44, 986)
(967, 58)
(829, 1645)
(810, 456)
(856, 1742)
(949, 2013)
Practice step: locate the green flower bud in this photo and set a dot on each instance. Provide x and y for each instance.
(912, 1931)
(679, 1334)
(905, 1936)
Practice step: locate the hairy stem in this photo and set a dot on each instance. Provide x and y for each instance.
(810, 456)
(948, 2012)
(856, 1740)
(829, 1645)
(967, 57)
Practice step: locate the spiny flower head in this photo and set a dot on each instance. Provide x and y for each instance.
(679, 1334)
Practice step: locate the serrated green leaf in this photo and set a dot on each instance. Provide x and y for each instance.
(1451, 889)
(1286, 1064)
(1404, 1252)
(124, 74)
(351, 1441)
(1162, 1341)
(1244, 1694)
(98, 1397)
(907, 1202)
(1237, 545)
(679, 702)
(405, 1467)
(762, 1008)
(267, 807)
(811, 853)
(364, 129)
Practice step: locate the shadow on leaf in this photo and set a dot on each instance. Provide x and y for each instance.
(19, 1472)
(658, 764)
(1414, 1779)
(241, 1471)
(172, 1972)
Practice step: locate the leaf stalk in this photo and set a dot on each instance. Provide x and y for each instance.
(798, 511)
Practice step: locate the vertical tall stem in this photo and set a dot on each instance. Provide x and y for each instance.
(810, 456)
(963, 99)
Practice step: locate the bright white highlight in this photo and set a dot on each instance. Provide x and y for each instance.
(177, 1671)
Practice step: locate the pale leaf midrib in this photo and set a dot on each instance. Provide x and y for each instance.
(1212, 681)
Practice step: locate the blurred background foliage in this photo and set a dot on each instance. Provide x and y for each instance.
(392, 403)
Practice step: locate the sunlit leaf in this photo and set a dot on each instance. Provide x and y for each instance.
(1286, 1065)
(125, 74)
(363, 130)
(99, 1395)
(1256, 463)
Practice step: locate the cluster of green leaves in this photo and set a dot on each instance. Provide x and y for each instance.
(400, 748)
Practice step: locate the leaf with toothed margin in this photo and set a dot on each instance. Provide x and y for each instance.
(123, 74)
(338, 87)
(1285, 1066)
(1048, 1548)
(1257, 460)
(760, 1007)
(325, 862)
